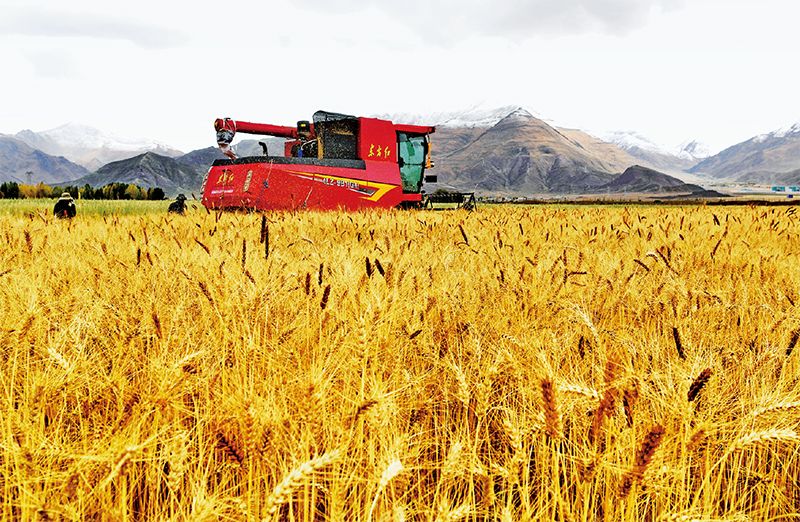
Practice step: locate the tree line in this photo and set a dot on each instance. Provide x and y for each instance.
(14, 190)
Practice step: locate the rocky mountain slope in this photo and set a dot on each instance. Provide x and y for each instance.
(642, 180)
(765, 158)
(201, 159)
(17, 159)
(147, 170)
(522, 154)
(511, 151)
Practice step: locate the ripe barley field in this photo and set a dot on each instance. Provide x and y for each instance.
(515, 363)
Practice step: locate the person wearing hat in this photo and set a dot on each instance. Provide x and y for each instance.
(65, 207)
(178, 206)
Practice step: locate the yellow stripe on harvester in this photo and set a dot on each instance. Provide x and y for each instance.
(380, 188)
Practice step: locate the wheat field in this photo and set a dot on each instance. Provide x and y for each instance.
(540, 363)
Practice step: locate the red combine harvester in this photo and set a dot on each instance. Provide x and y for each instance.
(339, 161)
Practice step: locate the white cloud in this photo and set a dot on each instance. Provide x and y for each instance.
(54, 63)
(452, 21)
(54, 24)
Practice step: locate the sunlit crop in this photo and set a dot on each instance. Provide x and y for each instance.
(514, 363)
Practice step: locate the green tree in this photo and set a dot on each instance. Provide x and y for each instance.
(155, 194)
(87, 192)
(9, 190)
(133, 192)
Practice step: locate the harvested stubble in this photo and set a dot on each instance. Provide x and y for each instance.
(152, 370)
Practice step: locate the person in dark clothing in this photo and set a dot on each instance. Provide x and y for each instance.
(178, 206)
(65, 207)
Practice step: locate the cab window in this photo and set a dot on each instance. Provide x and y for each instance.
(411, 157)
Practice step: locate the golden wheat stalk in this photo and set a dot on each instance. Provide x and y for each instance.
(781, 407)
(577, 389)
(177, 462)
(629, 398)
(764, 438)
(453, 515)
(452, 465)
(231, 450)
(394, 468)
(59, 358)
(285, 489)
(119, 465)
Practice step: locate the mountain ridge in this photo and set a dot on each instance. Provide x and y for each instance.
(764, 157)
(643, 180)
(147, 170)
(89, 146)
(522, 154)
(17, 158)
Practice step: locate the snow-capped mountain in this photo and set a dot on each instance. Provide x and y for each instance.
(674, 160)
(630, 140)
(785, 132)
(524, 155)
(89, 146)
(690, 149)
(616, 151)
(694, 150)
(773, 157)
(79, 135)
(458, 129)
(474, 117)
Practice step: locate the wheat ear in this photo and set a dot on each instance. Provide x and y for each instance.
(453, 515)
(643, 457)
(392, 470)
(783, 407)
(698, 384)
(762, 438)
(577, 389)
(283, 492)
(551, 413)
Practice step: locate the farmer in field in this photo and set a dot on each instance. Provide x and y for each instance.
(178, 206)
(65, 207)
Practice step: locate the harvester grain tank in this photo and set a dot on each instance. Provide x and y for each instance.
(336, 161)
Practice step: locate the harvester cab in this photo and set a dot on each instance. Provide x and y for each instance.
(336, 161)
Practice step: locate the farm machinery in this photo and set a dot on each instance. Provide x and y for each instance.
(334, 161)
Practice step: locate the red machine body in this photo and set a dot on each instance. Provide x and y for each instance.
(339, 161)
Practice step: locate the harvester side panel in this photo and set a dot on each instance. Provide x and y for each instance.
(294, 183)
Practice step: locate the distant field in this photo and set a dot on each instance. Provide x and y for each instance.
(577, 363)
(85, 207)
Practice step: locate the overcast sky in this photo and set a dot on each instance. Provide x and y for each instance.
(720, 71)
